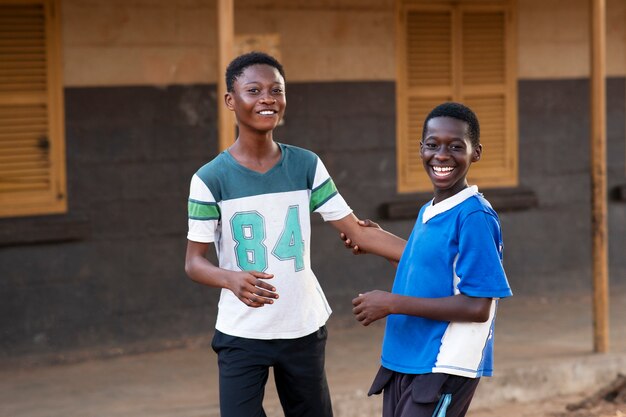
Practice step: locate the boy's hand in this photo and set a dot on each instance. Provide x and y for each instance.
(251, 290)
(372, 306)
(348, 243)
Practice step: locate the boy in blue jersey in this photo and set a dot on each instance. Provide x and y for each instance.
(253, 202)
(440, 313)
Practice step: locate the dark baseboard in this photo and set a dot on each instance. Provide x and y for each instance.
(502, 200)
(43, 229)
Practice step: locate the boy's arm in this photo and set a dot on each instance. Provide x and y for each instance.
(376, 305)
(370, 239)
(248, 286)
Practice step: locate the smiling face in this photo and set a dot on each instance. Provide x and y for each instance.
(447, 154)
(258, 99)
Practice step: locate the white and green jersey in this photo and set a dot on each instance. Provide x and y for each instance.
(261, 222)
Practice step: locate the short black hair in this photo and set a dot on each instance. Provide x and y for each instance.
(239, 64)
(460, 112)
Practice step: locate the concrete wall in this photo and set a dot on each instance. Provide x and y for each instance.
(165, 42)
(140, 119)
(174, 42)
(131, 152)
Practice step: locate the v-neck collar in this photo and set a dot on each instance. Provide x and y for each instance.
(247, 170)
(449, 203)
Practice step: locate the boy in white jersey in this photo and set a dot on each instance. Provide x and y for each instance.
(253, 201)
(440, 314)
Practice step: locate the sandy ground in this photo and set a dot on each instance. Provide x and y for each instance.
(531, 332)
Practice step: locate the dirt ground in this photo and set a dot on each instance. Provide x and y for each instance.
(537, 339)
(607, 401)
(553, 407)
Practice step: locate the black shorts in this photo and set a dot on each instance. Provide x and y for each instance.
(426, 395)
(298, 372)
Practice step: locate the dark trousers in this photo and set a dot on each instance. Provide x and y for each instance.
(298, 372)
(427, 395)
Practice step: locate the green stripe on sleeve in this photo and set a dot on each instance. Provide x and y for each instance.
(322, 194)
(199, 210)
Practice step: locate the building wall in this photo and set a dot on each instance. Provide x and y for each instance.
(117, 42)
(174, 42)
(554, 39)
(140, 119)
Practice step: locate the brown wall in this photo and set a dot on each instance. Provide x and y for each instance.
(554, 39)
(174, 42)
(164, 42)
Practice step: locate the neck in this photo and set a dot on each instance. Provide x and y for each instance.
(441, 195)
(259, 146)
(260, 155)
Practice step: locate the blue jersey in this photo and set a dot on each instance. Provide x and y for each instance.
(454, 248)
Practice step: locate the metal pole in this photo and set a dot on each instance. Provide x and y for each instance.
(225, 45)
(598, 177)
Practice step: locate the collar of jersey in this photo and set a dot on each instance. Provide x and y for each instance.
(450, 202)
(231, 160)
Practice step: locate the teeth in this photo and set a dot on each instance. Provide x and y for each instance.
(266, 112)
(443, 171)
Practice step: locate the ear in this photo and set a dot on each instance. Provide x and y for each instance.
(477, 152)
(229, 101)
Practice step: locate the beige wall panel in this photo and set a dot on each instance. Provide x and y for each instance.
(143, 3)
(135, 42)
(139, 66)
(174, 42)
(106, 26)
(197, 27)
(554, 38)
(320, 45)
(155, 42)
(616, 37)
(316, 4)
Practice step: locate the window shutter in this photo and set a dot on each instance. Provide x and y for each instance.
(486, 90)
(428, 82)
(32, 163)
(429, 35)
(461, 52)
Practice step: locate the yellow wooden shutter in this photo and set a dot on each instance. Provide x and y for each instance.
(32, 161)
(424, 84)
(487, 89)
(460, 52)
